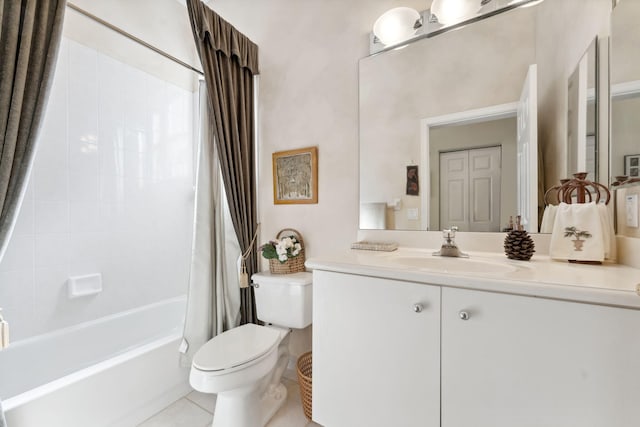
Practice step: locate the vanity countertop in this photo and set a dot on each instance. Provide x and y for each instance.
(610, 284)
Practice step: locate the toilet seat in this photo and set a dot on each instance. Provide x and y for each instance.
(235, 348)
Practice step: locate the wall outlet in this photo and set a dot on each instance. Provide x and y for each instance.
(412, 213)
(631, 203)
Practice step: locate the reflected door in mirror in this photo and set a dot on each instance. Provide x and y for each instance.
(470, 183)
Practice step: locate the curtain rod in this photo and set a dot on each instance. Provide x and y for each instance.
(131, 37)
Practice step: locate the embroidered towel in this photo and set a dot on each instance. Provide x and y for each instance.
(609, 234)
(577, 233)
(548, 218)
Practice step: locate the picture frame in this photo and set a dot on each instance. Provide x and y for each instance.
(632, 165)
(413, 185)
(295, 176)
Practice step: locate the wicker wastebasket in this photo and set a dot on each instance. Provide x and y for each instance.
(304, 379)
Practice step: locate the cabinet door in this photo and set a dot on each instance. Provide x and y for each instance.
(376, 352)
(528, 362)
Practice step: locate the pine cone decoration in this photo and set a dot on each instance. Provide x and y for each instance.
(519, 245)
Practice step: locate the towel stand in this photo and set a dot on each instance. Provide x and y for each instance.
(577, 190)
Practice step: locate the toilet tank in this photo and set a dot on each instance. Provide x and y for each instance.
(284, 299)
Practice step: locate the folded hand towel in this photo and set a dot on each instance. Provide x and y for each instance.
(548, 218)
(609, 233)
(577, 233)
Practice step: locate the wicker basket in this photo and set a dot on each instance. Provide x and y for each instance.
(304, 379)
(292, 265)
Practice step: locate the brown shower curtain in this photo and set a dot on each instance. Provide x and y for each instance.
(230, 60)
(30, 32)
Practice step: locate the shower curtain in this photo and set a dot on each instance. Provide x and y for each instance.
(230, 61)
(30, 32)
(213, 304)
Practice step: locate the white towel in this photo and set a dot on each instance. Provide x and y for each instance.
(609, 233)
(577, 233)
(548, 218)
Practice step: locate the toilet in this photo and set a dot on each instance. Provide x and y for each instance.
(244, 365)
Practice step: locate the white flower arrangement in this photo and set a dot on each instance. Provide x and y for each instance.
(282, 250)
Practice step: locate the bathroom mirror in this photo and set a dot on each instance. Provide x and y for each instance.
(582, 114)
(625, 90)
(459, 92)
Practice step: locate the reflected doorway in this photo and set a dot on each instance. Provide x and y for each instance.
(470, 182)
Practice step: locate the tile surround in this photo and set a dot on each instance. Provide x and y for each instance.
(111, 191)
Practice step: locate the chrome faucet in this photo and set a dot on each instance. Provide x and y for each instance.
(449, 247)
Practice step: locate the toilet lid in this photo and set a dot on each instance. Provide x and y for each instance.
(235, 347)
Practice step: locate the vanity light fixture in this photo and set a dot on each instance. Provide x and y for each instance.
(397, 25)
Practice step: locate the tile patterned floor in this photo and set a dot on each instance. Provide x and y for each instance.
(196, 410)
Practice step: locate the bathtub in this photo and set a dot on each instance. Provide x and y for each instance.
(113, 371)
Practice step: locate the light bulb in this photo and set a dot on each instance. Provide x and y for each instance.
(453, 11)
(396, 25)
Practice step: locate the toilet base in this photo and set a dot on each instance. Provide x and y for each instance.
(234, 411)
(272, 401)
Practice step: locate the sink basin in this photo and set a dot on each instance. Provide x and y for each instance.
(453, 265)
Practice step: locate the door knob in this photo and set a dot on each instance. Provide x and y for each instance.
(417, 308)
(464, 315)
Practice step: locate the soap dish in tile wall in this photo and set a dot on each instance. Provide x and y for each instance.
(375, 246)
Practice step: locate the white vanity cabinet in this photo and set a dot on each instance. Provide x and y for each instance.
(511, 360)
(376, 352)
(389, 352)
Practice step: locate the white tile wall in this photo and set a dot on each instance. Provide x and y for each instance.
(111, 192)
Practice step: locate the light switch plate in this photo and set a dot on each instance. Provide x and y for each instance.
(631, 204)
(412, 213)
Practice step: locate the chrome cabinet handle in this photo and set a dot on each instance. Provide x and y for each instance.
(417, 308)
(463, 315)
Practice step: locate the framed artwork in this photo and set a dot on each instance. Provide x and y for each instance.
(632, 165)
(413, 186)
(295, 176)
